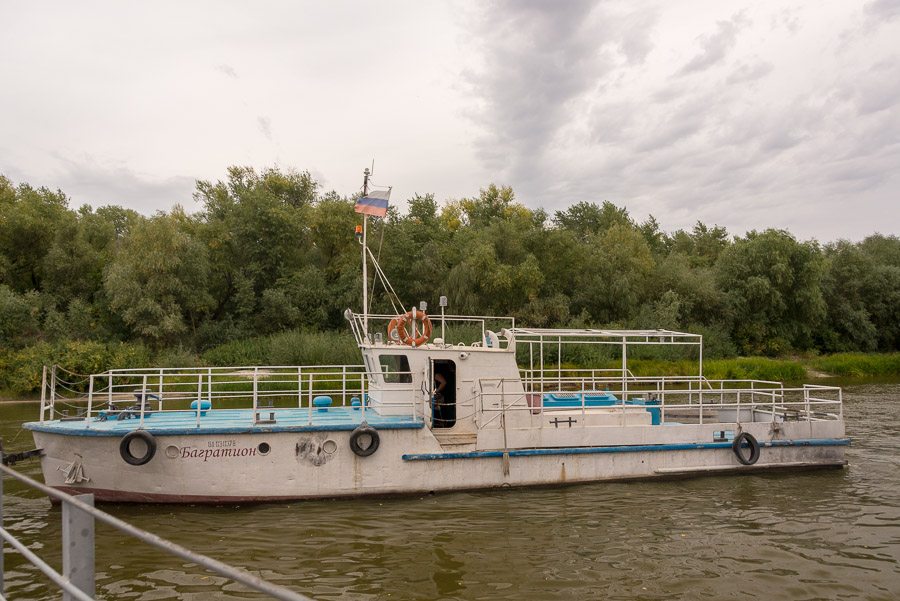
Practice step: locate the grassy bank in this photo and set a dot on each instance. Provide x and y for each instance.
(763, 368)
(743, 368)
(858, 364)
(20, 369)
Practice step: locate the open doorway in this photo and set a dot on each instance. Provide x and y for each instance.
(444, 402)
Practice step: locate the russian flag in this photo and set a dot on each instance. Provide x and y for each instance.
(374, 203)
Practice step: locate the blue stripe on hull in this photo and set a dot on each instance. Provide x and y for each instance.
(823, 442)
(223, 430)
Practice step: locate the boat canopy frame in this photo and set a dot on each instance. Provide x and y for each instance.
(541, 338)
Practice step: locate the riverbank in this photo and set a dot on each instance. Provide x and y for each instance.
(845, 365)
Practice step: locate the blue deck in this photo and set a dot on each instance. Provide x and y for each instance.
(232, 421)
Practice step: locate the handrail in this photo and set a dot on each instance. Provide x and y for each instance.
(78, 527)
(252, 387)
(774, 400)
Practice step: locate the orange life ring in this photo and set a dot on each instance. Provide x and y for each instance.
(397, 328)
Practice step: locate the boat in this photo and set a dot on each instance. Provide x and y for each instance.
(421, 414)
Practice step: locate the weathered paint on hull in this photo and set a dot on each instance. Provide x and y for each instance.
(117, 496)
(188, 469)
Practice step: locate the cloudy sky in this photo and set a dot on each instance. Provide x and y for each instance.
(744, 114)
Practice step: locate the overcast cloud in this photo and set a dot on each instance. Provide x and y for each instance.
(737, 113)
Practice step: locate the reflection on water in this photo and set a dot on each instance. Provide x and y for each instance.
(811, 535)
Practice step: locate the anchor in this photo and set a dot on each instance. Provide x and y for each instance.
(74, 472)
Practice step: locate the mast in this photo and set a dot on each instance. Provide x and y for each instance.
(366, 174)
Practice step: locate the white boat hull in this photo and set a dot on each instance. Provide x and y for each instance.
(213, 468)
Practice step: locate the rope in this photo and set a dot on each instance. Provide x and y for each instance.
(75, 392)
(380, 242)
(72, 373)
(387, 285)
(73, 383)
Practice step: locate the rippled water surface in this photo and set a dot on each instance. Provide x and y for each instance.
(796, 536)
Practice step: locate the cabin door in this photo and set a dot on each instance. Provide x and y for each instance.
(443, 395)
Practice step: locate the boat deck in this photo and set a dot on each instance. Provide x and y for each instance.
(229, 421)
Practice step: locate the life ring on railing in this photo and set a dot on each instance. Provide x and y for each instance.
(754, 448)
(125, 447)
(365, 430)
(397, 328)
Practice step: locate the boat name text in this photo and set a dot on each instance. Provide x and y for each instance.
(207, 454)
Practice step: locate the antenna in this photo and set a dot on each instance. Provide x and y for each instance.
(365, 291)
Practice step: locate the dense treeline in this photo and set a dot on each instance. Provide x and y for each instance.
(270, 252)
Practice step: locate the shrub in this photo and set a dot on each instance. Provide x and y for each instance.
(21, 370)
(246, 351)
(859, 364)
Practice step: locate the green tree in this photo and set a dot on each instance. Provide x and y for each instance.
(29, 222)
(703, 244)
(772, 285)
(587, 219)
(882, 288)
(849, 323)
(615, 275)
(256, 230)
(157, 280)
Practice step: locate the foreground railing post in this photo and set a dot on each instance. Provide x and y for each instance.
(78, 577)
(78, 546)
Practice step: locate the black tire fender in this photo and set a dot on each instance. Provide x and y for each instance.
(739, 440)
(364, 430)
(125, 447)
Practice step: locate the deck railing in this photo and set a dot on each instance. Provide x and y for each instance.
(265, 390)
(77, 578)
(697, 398)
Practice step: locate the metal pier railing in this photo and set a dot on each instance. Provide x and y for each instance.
(77, 577)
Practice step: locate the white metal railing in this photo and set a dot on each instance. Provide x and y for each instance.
(202, 389)
(697, 399)
(276, 388)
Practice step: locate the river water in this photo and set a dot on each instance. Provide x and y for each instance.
(796, 536)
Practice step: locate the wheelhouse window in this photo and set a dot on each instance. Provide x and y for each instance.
(390, 365)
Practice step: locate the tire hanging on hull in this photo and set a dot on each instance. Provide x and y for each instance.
(737, 445)
(125, 447)
(364, 430)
